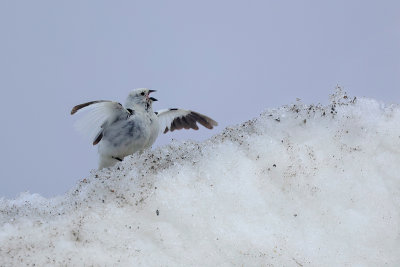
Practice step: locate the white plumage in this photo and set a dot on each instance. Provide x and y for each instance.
(121, 131)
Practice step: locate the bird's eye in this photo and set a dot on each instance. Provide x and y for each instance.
(142, 93)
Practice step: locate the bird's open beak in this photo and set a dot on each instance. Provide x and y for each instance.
(152, 98)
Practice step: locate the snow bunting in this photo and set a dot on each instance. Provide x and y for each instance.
(121, 131)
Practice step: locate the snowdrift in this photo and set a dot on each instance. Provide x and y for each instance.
(301, 185)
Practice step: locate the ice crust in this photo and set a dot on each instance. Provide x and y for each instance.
(301, 185)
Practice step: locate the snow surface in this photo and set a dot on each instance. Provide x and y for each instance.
(301, 185)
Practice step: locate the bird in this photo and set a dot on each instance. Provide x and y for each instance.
(119, 130)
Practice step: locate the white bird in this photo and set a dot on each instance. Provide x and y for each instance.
(121, 131)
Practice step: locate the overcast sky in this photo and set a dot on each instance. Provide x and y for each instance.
(227, 59)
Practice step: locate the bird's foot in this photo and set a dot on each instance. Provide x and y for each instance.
(117, 158)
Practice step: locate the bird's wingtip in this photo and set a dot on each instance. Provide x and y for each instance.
(74, 110)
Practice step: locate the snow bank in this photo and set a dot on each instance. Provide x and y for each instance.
(302, 185)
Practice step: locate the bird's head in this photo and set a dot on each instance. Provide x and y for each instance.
(140, 98)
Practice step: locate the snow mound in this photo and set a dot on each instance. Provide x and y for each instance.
(301, 185)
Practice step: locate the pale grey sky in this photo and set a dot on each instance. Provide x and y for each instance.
(227, 59)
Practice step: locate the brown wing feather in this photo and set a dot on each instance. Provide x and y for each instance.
(189, 122)
(98, 138)
(192, 122)
(186, 122)
(80, 106)
(178, 124)
(204, 120)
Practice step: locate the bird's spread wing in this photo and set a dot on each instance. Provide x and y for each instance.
(101, 114)
(176, 119)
